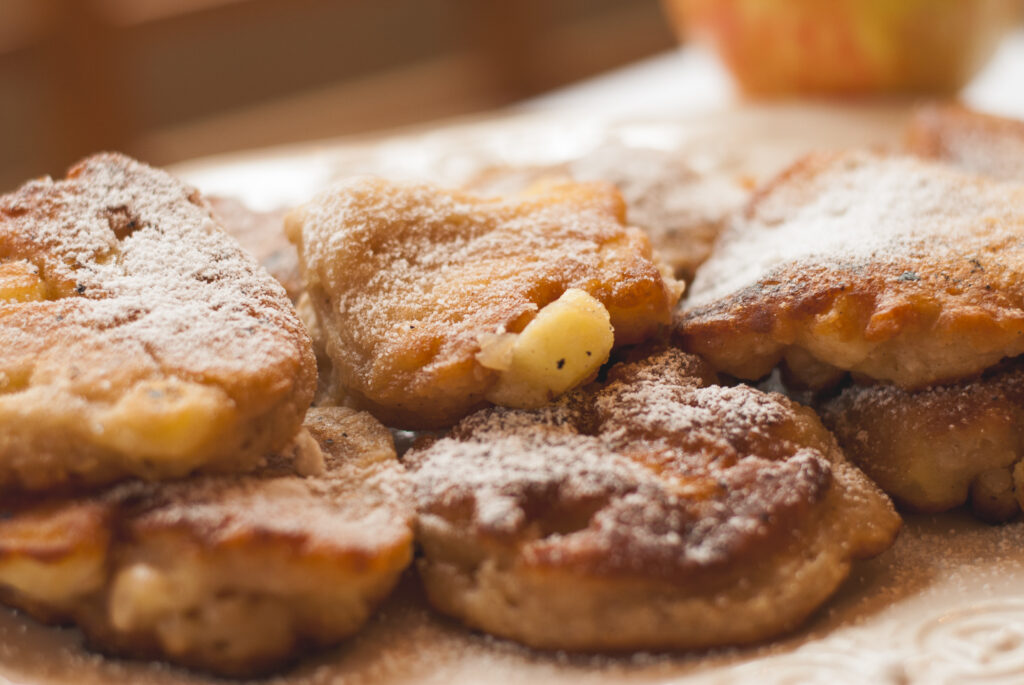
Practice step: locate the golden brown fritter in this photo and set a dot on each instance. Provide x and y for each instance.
(657, 511)
(136, 337)
(261, 234)
(976, 142)
(679, 207)
(897, 269)
(936, 448)
(424, 294)
(232, 574)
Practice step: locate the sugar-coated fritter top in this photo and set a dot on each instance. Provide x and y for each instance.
(136, 337)
(898, 269)
(699, 498)
(410, 281)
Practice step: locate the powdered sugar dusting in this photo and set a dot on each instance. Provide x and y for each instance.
(261, 234)
(359, 503)
(416, 245)
(654, 473)
(840, 211)
(680, 207)
(133, 257)
(407, 278)
(716, 415)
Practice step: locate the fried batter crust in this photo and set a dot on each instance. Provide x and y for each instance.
(261, 234)
(973, 141)
(897, 269)
(145, 342)
(926, 448)
(407, 280)
(657, 511)
(681, 208)
(231, 574)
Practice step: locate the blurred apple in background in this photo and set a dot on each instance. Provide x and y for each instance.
(847, 46)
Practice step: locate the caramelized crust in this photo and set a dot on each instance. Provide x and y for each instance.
(261, 234)
(657, 511)
(410, 281)
(136, 337)
(232, 574)
(680, 208)
(939, 447)
(975, 142)
(897, 269)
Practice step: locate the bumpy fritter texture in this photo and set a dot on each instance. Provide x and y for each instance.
(936, 448)
(894, 268)
(680, 208)
(136, 337)
(655, 512)
(409, 281)
(232, 574)
(976, 142)
(261, 234)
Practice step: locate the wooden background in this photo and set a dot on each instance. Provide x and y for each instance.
(168, 80)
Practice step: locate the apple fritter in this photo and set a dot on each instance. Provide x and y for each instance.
(939, 447)
(657, 511)
(433, 302)
(974, 141)
(680, 207)
(232, 574)
(261, 234)
(136, 337)
(897, 269)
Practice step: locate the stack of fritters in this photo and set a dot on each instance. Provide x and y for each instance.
(168, 491)
(139, 340)
(235, 574)
(904, 274)
(655, 509)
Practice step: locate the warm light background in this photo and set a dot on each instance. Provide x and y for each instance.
(168, 80)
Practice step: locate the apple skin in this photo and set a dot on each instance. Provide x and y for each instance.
(847, 46)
